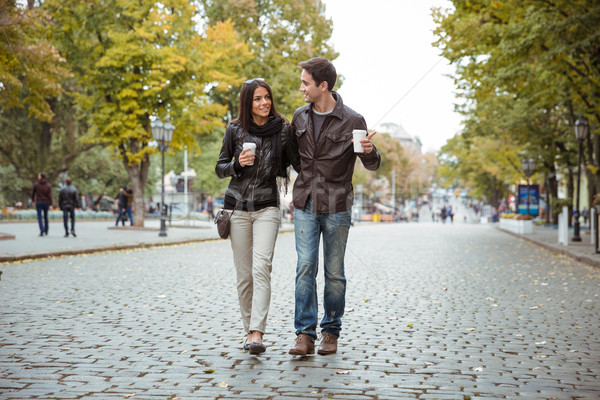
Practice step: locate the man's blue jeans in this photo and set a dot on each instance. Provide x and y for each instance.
(308, 228)
(42, 207)
(130, 214)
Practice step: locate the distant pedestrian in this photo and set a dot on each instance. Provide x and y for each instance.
(122, 206)
(129, 208)
(585, 214)
(68, 201)
(41, 196)
(210, 209)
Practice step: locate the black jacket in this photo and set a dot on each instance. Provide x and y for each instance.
(263, 187)
(326, 166)
(68, 198)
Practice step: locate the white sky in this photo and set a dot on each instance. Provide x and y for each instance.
(385, 50)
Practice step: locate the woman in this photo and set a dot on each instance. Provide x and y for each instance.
(253, 193)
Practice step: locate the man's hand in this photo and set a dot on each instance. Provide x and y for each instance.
(366, 143)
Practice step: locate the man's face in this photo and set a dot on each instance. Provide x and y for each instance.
(312, 92)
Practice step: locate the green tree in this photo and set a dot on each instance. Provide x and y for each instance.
(30, 146)
(31, 69)
(525, 70)
(136, 60)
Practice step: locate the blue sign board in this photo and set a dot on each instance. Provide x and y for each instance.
(532, 196)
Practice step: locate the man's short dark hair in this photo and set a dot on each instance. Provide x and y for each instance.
(42, 175)
(322, 70)
(68, 181)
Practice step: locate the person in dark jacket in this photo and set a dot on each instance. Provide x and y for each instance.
(122, 205)
(323, 199)
(68, 201)
(41, 196)
(255, 220)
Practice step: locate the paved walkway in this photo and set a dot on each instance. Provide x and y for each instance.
(433, 312)
(547, 237)
(94, 236)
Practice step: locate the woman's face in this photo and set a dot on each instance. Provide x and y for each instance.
(261, 105)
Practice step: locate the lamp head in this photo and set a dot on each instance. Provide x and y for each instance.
(581, 129)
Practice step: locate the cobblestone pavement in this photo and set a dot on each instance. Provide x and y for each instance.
(433, 311)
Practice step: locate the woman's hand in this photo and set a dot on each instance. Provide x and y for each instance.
(245, 158)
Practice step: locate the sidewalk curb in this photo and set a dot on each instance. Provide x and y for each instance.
(555, 249)
(66, 253)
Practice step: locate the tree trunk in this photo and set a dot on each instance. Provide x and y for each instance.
(138, 175)
(570, 193)
(594, 157)
(553, 188)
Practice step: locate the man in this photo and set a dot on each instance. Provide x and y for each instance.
(68, 201)
(122, 204)
(322, 200)
(41, 196)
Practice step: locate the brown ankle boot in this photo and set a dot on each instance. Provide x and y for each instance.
(303, 346)
(328, 344)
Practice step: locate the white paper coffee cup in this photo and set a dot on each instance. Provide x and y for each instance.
(357, 136)
(252, 147)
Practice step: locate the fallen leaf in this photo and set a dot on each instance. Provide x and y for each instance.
(409, 326)
(478, 369)
(349, 310)
(161, 296)
(223, 384)
(540, 343)
(393, 318)
(129, 395)
(209, 371)
(471, 329)
(345, 372)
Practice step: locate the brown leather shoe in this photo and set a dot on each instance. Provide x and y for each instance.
(302, 346)
(328, 344)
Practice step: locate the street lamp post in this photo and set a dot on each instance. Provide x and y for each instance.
(162, 133)
(581, 132)
(528, 165)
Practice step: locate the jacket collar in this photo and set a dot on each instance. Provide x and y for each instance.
(338, 110)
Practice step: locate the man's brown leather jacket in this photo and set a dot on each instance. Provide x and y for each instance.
(325, 167)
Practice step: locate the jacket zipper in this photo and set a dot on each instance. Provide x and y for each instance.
(257, 167)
